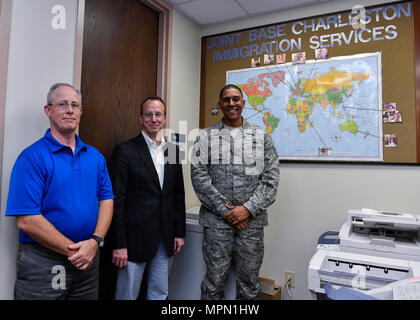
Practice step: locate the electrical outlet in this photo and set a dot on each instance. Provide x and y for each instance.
(289, 275)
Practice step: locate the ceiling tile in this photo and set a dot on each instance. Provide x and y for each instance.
(255, 7)
(205, 11)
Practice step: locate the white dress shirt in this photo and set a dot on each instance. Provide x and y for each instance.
(157, 154)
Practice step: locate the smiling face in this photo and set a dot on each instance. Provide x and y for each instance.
(64, 120)
(153, 117)
(232, 103)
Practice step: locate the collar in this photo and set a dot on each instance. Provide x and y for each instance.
(151, 143)
(55, 146)
(221, 124)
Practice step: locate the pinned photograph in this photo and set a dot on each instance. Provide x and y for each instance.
(325, 152)
(281, 58)
(299, 58)
(269, 59)
(390, 106)
(214, 110)
(395, 116)
(385, 116)
(255, 62)
(390, 140)
(321, 53)
(391, 114)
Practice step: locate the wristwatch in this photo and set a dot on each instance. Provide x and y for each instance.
(99, 240)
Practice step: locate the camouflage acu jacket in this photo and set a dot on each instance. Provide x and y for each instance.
(235, 169)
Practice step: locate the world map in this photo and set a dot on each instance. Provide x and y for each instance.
(322, 110)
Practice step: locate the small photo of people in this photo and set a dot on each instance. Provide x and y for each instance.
(395, 116)
(255, 62)
(390, 106)
(391, 114)
(299, 58)
(321, 53)
(269, 59)
(325, 152)
(385, 116)
(390, 140)
(214, 110)
(281, 58)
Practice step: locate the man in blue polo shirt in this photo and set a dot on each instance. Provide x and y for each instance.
(61, 195)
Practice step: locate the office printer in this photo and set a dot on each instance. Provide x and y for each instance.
(372, 249)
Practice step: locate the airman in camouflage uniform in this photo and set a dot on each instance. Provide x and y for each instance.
(235, 173)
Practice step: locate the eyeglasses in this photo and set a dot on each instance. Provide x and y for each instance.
(64, 105)
(149, 115)
(234, 98)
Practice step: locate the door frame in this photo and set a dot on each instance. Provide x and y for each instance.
(5, 26)
(164, 47)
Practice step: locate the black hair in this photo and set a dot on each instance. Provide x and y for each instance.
(229, 86)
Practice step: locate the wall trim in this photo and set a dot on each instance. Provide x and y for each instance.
(416, 25)
(5, 26)
(78, 54)
(165, 11)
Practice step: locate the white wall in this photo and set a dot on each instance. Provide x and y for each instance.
(314, 198)
(185, 87)
(38, 57)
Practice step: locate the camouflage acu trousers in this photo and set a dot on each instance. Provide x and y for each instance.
(242, 250)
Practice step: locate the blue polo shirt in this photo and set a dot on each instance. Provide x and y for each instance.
(65, 188)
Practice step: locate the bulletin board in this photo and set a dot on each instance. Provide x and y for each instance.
(336, 87)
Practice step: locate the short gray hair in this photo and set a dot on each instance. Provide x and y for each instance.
(60, 84)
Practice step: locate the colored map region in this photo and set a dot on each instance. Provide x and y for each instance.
(331, 89)
(332, 104)
(270, 121)
(257, 89)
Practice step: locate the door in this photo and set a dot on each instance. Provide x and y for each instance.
(119, 70)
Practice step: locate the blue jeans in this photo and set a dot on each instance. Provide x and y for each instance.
(129, 279)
